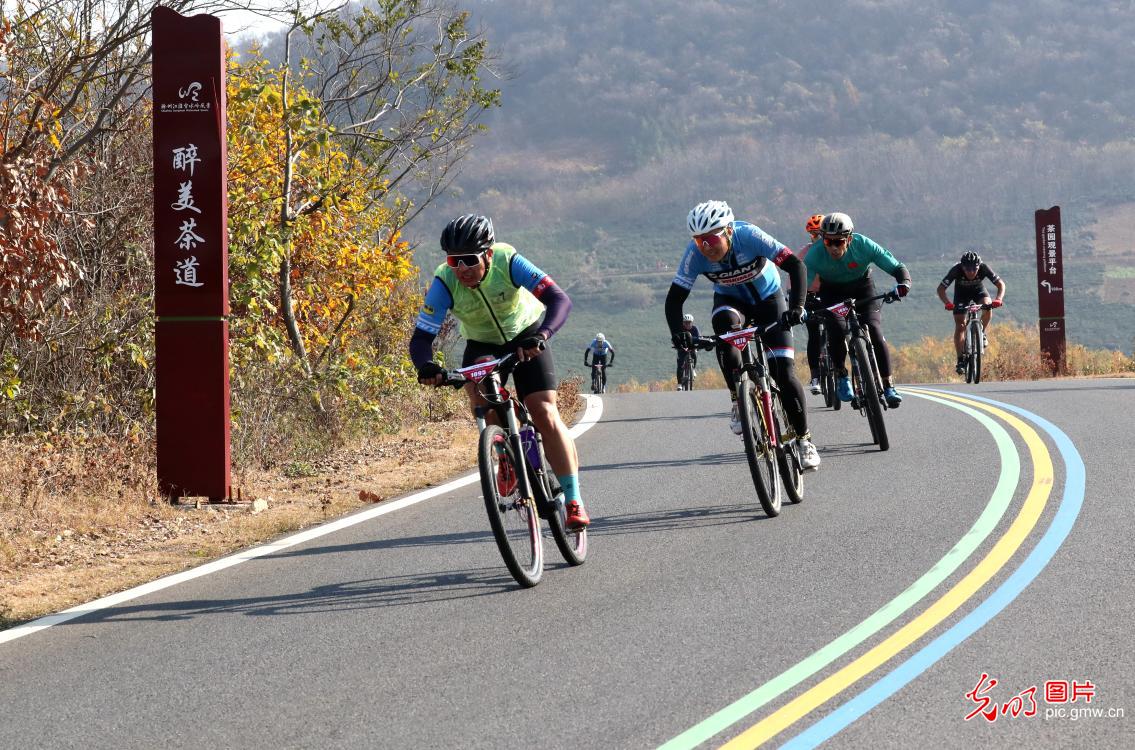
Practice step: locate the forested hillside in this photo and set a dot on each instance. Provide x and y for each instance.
(936, 125)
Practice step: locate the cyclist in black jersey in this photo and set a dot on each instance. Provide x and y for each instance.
(967, 276)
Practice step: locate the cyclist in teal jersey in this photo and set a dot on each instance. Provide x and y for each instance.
(504, 304)
(841, 260)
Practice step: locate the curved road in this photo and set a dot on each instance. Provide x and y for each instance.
(979, 544)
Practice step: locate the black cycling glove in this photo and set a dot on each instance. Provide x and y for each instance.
(430, 370)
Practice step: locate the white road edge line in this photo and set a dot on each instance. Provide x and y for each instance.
(591, 416)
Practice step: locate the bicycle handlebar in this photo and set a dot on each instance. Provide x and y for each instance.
(823, 309)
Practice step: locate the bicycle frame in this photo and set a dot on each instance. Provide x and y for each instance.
(511, 413)
(754, 366)
(846, 310)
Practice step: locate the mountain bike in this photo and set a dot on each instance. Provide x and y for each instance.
(685, 370)
(826, 372)
(770, 441)
(598, 378)
(866, 382)
(517, 482)
(973, 341)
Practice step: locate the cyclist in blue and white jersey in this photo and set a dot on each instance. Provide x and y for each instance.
(742, 260)
(695, 334)
(598, 350)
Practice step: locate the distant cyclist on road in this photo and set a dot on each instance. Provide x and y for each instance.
(741, 260)
(598, 350)
(689, 327)
(499, 297)
(841, 260)
(812, 322)
(967, 276)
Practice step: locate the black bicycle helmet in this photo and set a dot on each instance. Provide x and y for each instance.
(970, 258)
(467, 234)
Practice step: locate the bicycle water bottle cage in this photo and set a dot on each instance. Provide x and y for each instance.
(739, 339)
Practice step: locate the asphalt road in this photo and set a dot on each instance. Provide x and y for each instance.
(863, 616)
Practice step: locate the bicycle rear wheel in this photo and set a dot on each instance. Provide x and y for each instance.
(870, 399)
(572, 544)
(787, 454)
(758, 450)
(515, 524)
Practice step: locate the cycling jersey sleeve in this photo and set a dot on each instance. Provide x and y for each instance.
(524, 273)
(675, 298)
(689, 268)
(437, 303)
(985, 272)
(430, 317)
(951, 276)
(882, 257)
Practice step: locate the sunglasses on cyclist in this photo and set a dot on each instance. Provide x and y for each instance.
(468, 260)
(837, 241)
(708, 236)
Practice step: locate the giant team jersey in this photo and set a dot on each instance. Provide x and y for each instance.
(745, 273)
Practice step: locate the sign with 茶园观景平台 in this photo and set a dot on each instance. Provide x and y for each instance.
(1050, 285)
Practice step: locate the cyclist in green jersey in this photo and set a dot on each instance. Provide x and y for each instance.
(504, 304)
(841, 260)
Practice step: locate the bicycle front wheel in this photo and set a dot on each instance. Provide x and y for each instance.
(758, 448)
(870, 400)
(515, 524)
(787, 454)
(596, 382)
(973, 371)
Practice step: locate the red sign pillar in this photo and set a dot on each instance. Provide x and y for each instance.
(191, 256)
(1050, 287)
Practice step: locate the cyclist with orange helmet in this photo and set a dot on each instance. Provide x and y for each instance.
(812, 322)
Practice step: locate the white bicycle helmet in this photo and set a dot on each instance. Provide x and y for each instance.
(709, 216)
(687, 318)
(837, 225)
(600, 338)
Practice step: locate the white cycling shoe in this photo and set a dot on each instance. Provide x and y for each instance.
(809, 456)
(814, 387)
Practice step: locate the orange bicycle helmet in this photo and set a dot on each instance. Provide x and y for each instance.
(813, 225)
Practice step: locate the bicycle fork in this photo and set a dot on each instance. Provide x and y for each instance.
(518, 447)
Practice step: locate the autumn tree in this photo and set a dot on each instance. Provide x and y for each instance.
(395, 89)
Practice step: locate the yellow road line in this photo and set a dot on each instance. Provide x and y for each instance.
(998, 556)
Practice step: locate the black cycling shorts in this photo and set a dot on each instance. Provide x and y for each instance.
(532, 376)
(976, 295)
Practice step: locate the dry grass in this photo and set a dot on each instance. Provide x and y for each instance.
(1013, 354)
(80, 518)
